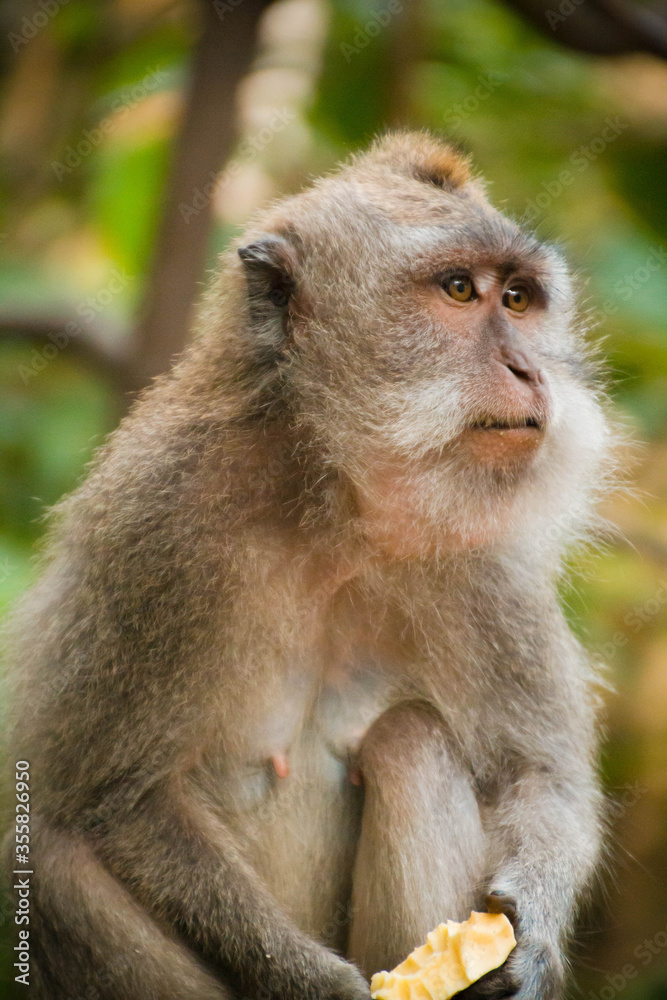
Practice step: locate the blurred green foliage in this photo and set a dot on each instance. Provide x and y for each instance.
(533, 113)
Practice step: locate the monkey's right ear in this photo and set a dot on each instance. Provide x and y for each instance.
(270, 267)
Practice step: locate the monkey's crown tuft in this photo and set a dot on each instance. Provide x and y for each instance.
(422, 156)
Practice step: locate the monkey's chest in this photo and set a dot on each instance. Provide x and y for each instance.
(293, 795)
(287, 778)
(306, 715)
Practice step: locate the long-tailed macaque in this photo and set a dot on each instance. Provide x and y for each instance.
(295, 683)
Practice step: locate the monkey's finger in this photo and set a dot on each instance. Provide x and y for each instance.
(495, 985)
(498, 901)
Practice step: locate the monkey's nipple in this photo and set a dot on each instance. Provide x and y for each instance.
(280, 765)
(355, 775)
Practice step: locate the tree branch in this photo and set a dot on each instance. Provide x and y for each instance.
(603, 27)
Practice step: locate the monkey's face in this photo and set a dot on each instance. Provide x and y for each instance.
(432, 356)
(490, 313)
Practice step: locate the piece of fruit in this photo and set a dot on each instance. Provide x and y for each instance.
(454, 956)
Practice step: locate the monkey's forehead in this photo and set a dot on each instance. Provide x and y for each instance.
(483, 240)
(401, 227)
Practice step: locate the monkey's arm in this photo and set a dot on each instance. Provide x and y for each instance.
(546, 825)
(549, 825)
(185, 867)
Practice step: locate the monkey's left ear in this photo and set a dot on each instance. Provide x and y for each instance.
(270, 268)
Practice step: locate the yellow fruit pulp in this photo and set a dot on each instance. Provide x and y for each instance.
(454, 956)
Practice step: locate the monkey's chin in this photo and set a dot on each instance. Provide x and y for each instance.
(503, 448)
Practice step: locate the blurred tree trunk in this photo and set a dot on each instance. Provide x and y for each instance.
(205, 141)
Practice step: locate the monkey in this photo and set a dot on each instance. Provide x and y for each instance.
(295, 684)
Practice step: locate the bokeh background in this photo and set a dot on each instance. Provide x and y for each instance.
(137, 136)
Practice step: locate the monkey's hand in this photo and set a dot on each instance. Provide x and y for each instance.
(346, 983)
(311, 973)
(533, 971)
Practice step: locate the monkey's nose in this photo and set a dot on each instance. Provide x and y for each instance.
(521, 366)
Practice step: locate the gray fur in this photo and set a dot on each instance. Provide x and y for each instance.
(282, 543)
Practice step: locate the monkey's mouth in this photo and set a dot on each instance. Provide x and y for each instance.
(503, 443)
(518, 424)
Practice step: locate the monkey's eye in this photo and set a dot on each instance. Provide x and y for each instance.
(459, 287)
(516, 298)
